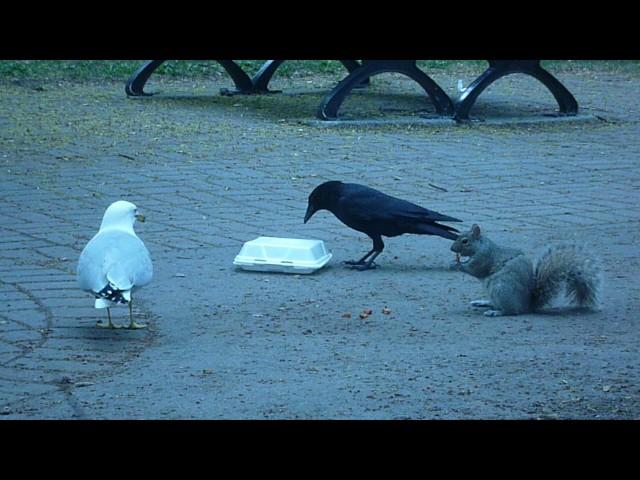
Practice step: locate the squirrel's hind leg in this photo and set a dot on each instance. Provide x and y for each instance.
(481, 303)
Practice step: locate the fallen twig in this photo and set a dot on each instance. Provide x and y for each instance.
(437, 187)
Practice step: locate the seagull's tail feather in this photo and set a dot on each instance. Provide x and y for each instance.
(110, 296)
(119, 278)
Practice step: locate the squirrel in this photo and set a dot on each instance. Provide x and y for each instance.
(516, 284)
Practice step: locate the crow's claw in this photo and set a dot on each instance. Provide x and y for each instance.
(353, 262)
(364, 266)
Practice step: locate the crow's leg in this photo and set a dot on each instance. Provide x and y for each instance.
(369, 264)
(363, 263)
(362, 260)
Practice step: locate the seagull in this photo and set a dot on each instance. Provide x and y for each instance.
(115, 262)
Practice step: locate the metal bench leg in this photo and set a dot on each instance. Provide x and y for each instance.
(135, 85)
(567, 102)
(471, 93)
(351, 65)
(262, 78)
(500, 68)
(331, 104)
(243, 83)
(441, 101)
(260, 81)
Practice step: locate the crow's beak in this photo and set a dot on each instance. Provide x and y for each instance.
(140, 217)
(309, 214)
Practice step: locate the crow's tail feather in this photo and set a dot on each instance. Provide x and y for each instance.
(444, 231)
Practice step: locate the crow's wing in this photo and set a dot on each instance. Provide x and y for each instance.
(366, 204)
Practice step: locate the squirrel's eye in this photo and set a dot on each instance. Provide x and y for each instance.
(465, 241)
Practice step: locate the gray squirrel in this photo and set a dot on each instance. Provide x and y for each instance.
(516, 284)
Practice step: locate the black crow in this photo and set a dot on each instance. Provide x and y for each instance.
(375, 213)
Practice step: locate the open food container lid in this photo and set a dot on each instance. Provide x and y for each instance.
(289, 255)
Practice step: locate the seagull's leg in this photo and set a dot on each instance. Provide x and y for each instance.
(110, 324)
(133, 325)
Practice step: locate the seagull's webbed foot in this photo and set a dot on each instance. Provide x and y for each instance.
(136, 326)
(110, 324)
(133, 325)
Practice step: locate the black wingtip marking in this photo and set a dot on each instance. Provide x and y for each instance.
(111, 294)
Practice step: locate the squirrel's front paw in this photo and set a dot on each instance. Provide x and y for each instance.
(454, 265)
(493, 313)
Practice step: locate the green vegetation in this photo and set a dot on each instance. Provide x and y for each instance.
(81, 70)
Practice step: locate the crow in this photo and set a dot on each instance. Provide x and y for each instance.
(375, 213)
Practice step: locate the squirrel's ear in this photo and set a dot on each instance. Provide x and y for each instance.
(475, 231)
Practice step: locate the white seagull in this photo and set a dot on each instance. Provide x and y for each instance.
(115, 262)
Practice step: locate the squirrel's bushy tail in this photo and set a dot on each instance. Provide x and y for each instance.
(569, 265)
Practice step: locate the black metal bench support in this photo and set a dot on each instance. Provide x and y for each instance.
(243, 83)
(262, 78)
(135, 85)
(360, 73)
(500, 68)
(331, 104)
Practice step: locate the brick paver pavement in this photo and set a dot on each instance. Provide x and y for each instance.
(211, 172)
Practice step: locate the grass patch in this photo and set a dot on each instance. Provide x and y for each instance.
(120, 70)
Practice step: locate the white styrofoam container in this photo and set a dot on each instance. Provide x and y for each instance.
(289, 255)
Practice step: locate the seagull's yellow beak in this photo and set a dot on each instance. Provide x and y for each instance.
(140, 217)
